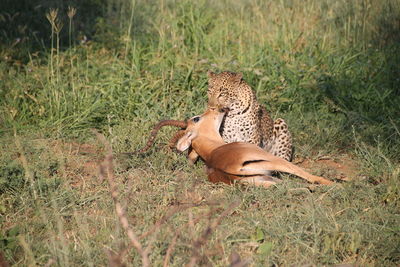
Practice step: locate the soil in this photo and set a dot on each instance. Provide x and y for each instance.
(345, 167)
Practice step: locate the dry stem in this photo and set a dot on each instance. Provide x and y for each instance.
(108, 168)
(206, 234)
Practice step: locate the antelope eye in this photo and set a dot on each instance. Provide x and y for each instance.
(196, 119)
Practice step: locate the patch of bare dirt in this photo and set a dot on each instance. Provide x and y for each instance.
(345, 167)
(80, 161)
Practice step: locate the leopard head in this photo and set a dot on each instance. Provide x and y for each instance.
(228, 90)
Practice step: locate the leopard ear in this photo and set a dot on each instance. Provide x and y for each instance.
(210, 74)
(238, 77)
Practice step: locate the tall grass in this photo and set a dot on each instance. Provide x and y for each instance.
(330, 68)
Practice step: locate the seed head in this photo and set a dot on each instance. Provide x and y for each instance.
(52, 15)
(71, 12)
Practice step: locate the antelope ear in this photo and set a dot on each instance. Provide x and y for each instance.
(185, 141)
(210, 74)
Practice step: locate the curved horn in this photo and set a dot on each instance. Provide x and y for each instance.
(175, 138)
(156, 128)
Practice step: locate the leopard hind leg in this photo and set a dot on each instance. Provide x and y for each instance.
(281, 145)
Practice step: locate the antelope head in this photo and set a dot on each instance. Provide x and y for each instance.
(204, 127)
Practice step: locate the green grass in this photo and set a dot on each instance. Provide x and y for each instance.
(329, 68)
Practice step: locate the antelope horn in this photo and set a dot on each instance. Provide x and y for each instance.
(175, 138)
(156, 128)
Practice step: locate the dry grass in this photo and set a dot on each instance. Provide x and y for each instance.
(330, 68)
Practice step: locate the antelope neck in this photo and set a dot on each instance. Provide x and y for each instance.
(204, 146)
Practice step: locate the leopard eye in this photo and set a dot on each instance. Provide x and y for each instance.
(222, 96)
(224, 92)
(196, 119)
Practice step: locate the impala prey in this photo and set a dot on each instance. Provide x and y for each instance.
(238, 161)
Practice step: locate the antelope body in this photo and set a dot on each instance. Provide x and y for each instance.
(241, 162)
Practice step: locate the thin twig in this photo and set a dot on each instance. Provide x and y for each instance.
(178, 232)
(206, 234)
(169, 214)
(157, 227)
(29, 176)
(170, 249)
(107, 167)
(114, 259)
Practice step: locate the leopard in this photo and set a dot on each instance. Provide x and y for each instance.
(247, 120)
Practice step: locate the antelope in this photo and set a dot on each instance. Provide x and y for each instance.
(233, 162)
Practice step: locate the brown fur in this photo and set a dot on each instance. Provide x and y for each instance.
(247, 121)
(237, 161)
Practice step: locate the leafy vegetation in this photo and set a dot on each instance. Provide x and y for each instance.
(330, 68)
